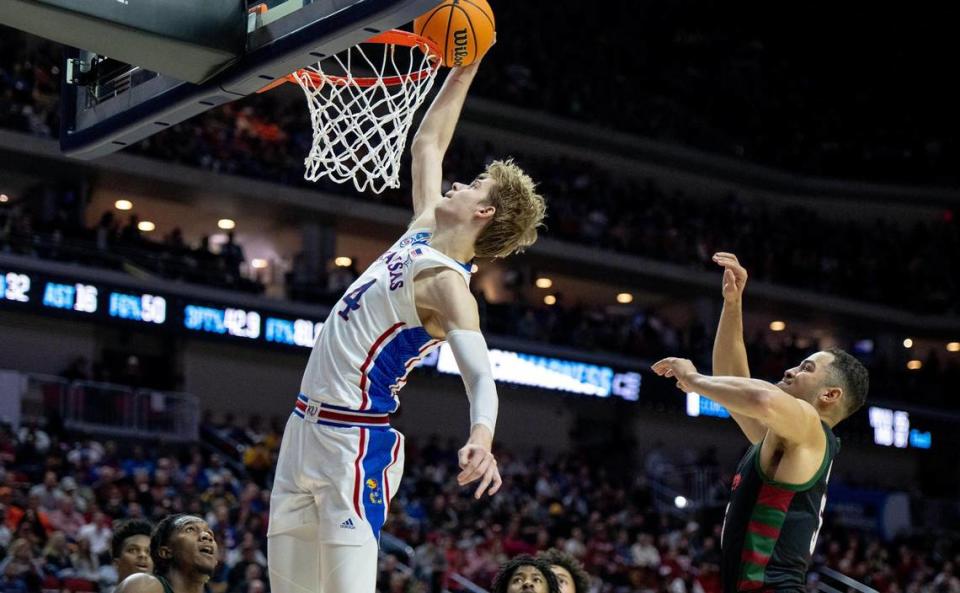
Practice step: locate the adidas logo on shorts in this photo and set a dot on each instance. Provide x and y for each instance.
(348, 524)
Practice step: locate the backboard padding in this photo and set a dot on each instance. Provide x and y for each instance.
(280, 45)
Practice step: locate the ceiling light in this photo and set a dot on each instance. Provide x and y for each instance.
(123, 205)
(953, 347)
(550, 300)
(544, 283)
(914, 365)
(4, 198)
(146, 226)
(258, 263)
(226, 224)
(777, 326)
(624, 298)
(908, 343)
(343, 262)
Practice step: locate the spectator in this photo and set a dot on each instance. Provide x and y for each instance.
(232, 254)
(571, 577)
(21, 568)
(69, 487)
(78, 370)
(86, 564)
(11, 581)
(174, 546)
(66, 518)
(130, 234)
(57, 559)
(130, 548)
(525, 574)
(48, 492)
(106, 232)
(98, 533)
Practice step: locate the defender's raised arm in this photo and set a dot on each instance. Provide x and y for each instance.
(729, 350)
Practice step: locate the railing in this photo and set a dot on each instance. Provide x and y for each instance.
(465, 585)
(627, 266)
(143, 259)
(827, 579)
(831, 581)
(391, 544)
(104, 408)
(684, 491)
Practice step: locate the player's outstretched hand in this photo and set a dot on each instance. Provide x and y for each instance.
(477, 463)
(678, 368)
(734, 275)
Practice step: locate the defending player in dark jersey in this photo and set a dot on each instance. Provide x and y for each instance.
(184, 555)
(779, 491)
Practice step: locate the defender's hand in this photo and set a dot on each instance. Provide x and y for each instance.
(679, 368)
(478, 463)
(734, 275)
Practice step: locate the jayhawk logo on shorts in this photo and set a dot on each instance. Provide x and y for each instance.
(376, 497)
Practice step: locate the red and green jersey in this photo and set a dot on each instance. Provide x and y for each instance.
(771, 528)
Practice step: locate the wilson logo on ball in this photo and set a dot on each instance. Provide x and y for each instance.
(460, 50)
(462, 29)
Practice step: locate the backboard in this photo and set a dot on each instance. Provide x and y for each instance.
(110, 104)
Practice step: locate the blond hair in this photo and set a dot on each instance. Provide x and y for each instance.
(519, 212)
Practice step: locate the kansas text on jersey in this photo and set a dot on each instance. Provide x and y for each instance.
(373, 337)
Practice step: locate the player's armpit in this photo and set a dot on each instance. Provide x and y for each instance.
(751, 428)
(444, 292)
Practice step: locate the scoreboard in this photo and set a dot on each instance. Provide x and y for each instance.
(66, 297)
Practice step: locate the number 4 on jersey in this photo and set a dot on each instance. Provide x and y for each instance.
(352, 300)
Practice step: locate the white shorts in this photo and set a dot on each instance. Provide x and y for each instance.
(336, 473)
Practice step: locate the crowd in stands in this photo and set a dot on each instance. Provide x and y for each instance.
(49, 223)
(62, 495)
(716, 77)
(736, 80)
(30, 72)
(794, 246)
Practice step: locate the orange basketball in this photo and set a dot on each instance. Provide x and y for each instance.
(462, 29)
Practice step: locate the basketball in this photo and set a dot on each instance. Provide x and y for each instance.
(462, 29)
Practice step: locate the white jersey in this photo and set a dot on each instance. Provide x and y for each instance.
(373, 336)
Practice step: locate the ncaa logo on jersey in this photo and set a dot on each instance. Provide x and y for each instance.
(376, 496)
(421, 237)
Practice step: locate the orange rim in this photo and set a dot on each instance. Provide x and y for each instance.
(392, 37)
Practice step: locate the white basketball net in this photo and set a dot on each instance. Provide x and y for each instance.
(360, 123)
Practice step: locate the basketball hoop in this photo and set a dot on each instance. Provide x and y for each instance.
(362, 104)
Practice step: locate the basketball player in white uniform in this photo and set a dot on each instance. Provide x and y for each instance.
(340, 462)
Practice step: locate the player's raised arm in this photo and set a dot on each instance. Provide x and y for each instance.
(729, 350)
(446, 294)
(433, 137)
(793, 419)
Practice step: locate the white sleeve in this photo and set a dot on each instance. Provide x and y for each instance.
(470, 351)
